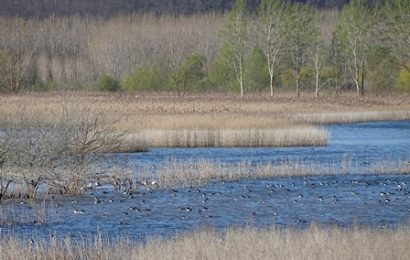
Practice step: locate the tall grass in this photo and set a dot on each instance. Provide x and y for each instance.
(313, 243)
(308, 136)
(351, 117)
(174, 174)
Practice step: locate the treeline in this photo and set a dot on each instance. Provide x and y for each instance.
(111, 8)
(278, 46)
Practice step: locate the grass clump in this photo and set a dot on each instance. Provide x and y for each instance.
(308, 136)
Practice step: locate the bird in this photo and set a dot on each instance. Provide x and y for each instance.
(78, 211)
(98, 201)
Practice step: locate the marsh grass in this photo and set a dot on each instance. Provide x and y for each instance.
(236, 243)
(307, 136)
(174, 174)
(350, 117)
(165, 111)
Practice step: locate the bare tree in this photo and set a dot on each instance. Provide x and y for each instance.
(398, 31)
(271, 31)
(235, 42)
(301, 35)
(19, 43)
(355, 28)
(321, 48)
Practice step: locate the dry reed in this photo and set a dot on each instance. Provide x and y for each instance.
(351, 117)
(175, 174)
(308, 136)
(214, 111)
(246, 243)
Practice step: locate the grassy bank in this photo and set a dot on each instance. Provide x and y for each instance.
(312, 243)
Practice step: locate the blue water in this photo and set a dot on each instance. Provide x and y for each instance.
(381, 201)
(364, 142)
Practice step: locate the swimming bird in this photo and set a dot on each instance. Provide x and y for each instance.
(78, 211)
(97, 201)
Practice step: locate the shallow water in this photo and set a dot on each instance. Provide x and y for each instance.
(354, 143)
(381, 201)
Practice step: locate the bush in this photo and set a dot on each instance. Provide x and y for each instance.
(221, 75)
(381, 73)
(41, 86)
(404, 80)
(287, 78)
(189, 73)
(108, 83)
(147, 78)
(256, 74)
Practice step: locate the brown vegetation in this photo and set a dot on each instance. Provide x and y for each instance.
(248, 243)
(175, 174)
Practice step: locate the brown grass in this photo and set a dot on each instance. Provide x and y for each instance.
(175, 174)
(214, 119)
(351, 117)
(248, 243)
(308, 136)
(214, 111)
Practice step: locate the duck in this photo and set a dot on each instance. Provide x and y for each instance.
(98, 201)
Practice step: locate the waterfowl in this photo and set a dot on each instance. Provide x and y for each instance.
(97, 201)
(78, 211)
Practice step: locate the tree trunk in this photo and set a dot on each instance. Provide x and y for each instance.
(362, 86)
(356, 82)
(317, 84)
(271, 85)
(241, 86)
(297, 85)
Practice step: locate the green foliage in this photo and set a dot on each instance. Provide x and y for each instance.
(355, 32)
(221, 74)
(41, 86)
(256, 75)
(190, 72)
(147, 78)
(302, 33)
(328, 72)
(381, 73)
(288, 78)
(404, 80)
(306, 77)
(108, 83)
(234, 37)
(398, 30)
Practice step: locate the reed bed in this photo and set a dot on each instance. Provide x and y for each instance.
(350, 117)
(176, 174)
(308, 136)
(236, 243)
(214, 111)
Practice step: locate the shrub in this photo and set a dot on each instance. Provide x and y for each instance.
(221, 75)
(108, 83)
(288, 78)
(147, 78)
(381, 73)
(256, 75)
(404, 80)
(189, 73)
